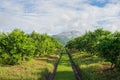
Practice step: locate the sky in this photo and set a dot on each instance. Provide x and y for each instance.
(56, 16)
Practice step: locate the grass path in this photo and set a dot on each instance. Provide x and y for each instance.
(64, 70)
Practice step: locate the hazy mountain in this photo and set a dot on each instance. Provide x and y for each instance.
(64, 37)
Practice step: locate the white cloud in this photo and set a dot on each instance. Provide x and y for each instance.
(53, 16)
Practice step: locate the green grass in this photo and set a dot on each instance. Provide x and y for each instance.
(35, 69)
(64, 70)
(94, 68)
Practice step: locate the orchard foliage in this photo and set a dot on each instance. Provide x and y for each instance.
(99, 42)
(18, 46)
(45, 44)
(88, 41)
(15, 47)
(109, 48)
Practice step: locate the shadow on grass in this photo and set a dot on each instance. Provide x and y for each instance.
(64, 75)
(48, 59)
(87, 59)
(92, 73)
(94, 68)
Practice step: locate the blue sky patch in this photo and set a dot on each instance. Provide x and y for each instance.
(2, 9)
(99, 3)
(101, 23)
(28, 6)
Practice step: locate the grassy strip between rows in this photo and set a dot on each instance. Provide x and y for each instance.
(94, 68)
(36, 69)
(64, 70)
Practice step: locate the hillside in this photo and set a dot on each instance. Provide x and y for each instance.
(64, 37)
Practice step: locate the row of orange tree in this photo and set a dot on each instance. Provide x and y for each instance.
(99, 42)
(18, 46)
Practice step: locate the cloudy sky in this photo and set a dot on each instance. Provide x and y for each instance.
(55, 16)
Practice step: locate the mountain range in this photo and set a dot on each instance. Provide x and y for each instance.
(64, 37)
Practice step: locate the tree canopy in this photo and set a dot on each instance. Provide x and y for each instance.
(18, 46)
(99, 42)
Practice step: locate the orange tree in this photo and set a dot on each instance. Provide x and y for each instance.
(16, 47)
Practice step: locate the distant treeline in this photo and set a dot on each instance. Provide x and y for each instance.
(99, 42)
(18, 46)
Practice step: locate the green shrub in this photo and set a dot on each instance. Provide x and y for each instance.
(16, 47)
